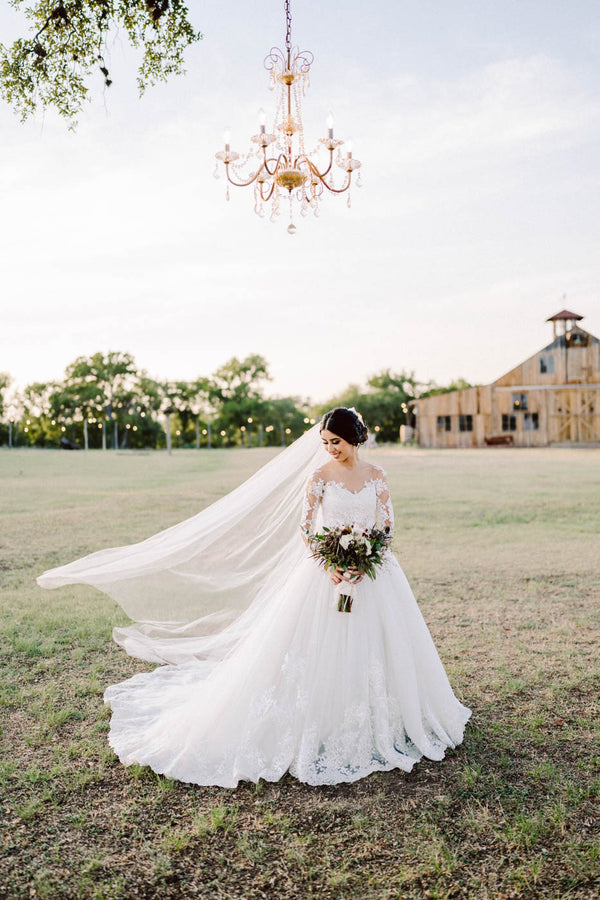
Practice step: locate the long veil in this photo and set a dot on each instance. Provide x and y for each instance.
(192, 589)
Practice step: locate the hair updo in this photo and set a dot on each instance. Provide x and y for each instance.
(346, 423)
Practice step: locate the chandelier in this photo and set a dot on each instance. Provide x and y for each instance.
(277, 164)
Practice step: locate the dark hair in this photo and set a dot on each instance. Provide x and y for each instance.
(346, 424)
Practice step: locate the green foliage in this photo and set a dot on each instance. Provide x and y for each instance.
(239, 383)
(458, 384)
(289, 414)
(236, 394)
(187, 398)
(343, 548)
(69, 41)
(106, 388)
(125, 408)
(5, 382)
(101, 382)
(383, 403)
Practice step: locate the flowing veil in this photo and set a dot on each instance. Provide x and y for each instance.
(192, 590)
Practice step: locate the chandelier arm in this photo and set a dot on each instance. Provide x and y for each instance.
(333, 190)
(241, 183)
(338, 190)
(304, 158)
(281, 158)
(328, 169)
(269, 195)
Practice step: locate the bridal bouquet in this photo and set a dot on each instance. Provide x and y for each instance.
(345, 547)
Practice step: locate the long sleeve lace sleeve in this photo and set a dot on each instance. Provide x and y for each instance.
(312, 498)
(385, 511)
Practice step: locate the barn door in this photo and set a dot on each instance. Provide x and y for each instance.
(572, 416)
(586, 416)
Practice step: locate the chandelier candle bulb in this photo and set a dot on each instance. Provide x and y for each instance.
(330, 126)
(227, 139)
(262, 118)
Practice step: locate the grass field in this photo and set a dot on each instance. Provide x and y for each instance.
(502, 547)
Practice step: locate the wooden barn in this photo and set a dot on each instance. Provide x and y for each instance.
(552, 397)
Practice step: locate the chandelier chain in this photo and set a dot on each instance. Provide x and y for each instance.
(288, 28)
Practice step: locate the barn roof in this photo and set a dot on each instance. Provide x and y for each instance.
(564, 314)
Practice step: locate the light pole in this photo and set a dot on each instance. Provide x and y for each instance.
(11, 421)
(168, 391)
(168, 410)
(208, 412)
(195, 411)
(84, 423)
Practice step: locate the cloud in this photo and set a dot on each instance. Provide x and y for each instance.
(507, 109)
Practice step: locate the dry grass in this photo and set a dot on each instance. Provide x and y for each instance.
(502, 549)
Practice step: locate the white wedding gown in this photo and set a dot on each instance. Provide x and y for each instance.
(327, 696)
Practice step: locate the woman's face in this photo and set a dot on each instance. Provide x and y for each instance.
(336, 446)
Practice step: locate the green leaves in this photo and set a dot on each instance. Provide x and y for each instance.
(69, 41)
(380, 402)
(112, 395)
(5, 382)
(346, 548)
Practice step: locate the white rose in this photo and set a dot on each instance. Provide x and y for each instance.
(346, 540)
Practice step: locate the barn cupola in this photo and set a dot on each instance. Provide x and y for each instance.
(564, 323)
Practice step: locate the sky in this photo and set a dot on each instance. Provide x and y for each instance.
(478, 127)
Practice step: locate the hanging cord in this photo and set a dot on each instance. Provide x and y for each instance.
(288, 28)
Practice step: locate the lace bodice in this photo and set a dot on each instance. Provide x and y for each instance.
(370, 505)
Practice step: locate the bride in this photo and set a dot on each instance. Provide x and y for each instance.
(263, 675)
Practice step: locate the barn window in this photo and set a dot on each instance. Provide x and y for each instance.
(519, 401)
(547, 365)
(465, 423)
(531, 422)
(577, 339)
(509, 423)
(444, 423)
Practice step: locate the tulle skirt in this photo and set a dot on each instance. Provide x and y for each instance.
(328, 696)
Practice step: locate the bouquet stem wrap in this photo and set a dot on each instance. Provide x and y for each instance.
(345, 596)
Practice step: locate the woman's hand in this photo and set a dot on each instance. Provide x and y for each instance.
(338, 575)
(335, 575)
(354, 575)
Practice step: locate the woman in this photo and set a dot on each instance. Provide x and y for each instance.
(288, 683)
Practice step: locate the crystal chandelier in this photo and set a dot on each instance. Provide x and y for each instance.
(278, 165)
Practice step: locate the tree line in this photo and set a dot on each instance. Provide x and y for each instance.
(105, 401)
